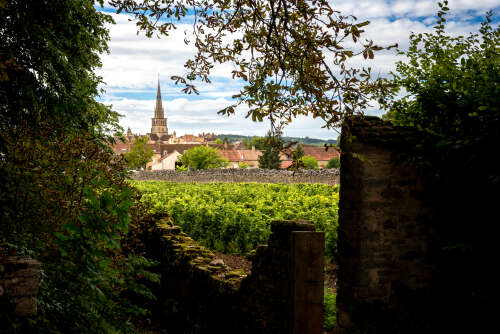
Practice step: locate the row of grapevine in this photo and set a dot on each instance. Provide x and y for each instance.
(235, 217)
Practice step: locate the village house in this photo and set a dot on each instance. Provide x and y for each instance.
(168, 147)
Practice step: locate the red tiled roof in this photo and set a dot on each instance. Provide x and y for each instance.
(120, 147)
(250, 155)
(320, 153)
(286, 164)
(231, 155)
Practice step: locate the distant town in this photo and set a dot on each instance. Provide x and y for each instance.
(238, 150)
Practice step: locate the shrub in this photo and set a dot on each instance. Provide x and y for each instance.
(139, 154)
(202, 157)
(309, 162)
(333, 163)
(180, 168)
(270, 157)
(449, 87)
(330, 311)
(77, 225)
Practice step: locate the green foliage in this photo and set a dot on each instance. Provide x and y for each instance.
(309, 162)
(47, 61)
(63, 197)
(202, 157)
(181, 168)
(243, 165)
(299, 152)
(301, 51)
(333, 163)
(270, 158)
(246, 140)
(450, 85)
(218, 141)
(139, 154)
(68, 206)
(235, 217)
(330, 310)
(258, 142)
(450, 90)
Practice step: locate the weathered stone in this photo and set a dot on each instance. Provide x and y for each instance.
(19, 282)
(384, 233)
(200, 290)
(25, 306)
(307, 250)
(326, 176)
(217, 262)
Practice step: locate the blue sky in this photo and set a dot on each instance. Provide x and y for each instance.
(130, 71)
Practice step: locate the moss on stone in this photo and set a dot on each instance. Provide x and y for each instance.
(292, 225)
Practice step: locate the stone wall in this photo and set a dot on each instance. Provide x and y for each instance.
(198, 294)
(18, 286)
(398, 272)
(326, 176)
(385, 236)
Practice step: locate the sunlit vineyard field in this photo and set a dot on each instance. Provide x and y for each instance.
(235, 217)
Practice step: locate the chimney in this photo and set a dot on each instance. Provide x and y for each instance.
(253, 148)
(225, 145)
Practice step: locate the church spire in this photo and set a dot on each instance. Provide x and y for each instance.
(159, 122)
(159, 113)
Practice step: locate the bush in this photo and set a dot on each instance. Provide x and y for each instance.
(77, 225)
(309, 162)
(181, 168)
(333, 163)
(139, 154)
(450, 86)
(64, 200)
(330, 311)
(202, 157)
(270, 157)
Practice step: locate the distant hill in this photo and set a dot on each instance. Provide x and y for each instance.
(306, 140)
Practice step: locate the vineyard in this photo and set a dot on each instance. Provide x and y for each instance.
(235, 217)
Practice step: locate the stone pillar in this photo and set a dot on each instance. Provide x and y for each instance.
(307, 263)
(387, 239)
(284, 293)
(19, 283)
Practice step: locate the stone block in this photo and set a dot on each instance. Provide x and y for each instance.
(19, 282)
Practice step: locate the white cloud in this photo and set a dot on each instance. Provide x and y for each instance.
(130, 70)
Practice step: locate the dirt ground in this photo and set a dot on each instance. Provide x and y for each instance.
(239, 262)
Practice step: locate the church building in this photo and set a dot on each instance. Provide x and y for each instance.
(168, 147)
(159, 129)
(163, 144)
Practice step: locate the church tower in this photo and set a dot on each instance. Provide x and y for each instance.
(159, 122)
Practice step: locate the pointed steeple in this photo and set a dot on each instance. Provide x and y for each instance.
(159, 112)
(159, 122)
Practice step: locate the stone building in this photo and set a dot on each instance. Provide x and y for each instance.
(161, 142)
(167, 147)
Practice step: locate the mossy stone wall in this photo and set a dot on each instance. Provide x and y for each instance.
(200, 295)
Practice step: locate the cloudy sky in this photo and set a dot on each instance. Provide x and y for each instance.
(130, 71)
